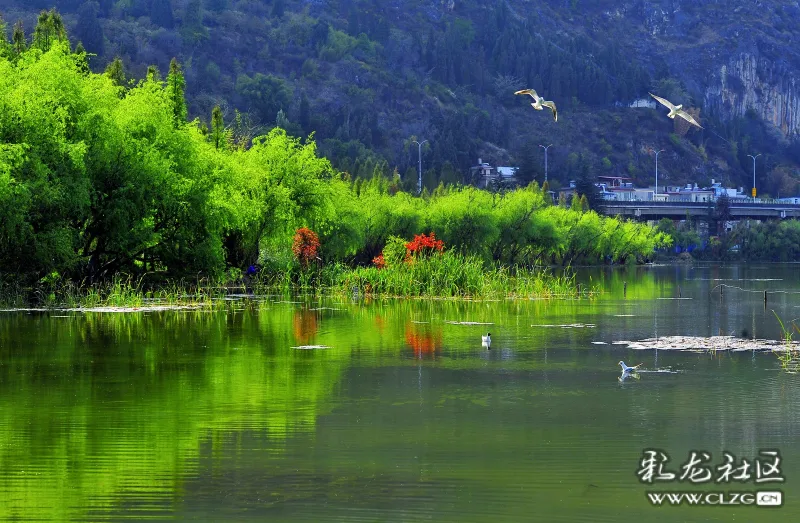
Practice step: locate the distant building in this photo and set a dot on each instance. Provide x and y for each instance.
(689, 193)
(790, 199)
(486, 174)
(644, 102)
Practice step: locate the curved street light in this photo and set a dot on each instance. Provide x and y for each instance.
(545, 159)
(419, 157)
(661, 151)
(754, 173)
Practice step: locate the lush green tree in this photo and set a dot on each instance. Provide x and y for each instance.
(49, 29)
(116, 72)
(192, 27)
(18, 41)
(585, 184)
(153, 73)
(176, 86)
(265, 94)
(5, 47)
(219, 135)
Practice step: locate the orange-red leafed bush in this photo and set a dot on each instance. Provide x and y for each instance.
(305, 246)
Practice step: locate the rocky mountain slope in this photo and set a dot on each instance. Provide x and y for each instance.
(370, 76)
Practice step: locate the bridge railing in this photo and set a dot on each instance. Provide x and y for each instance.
(734, 203)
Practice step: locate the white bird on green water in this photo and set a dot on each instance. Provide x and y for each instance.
(625, 368)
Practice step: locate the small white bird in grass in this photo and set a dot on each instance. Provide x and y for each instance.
(676, 110)
(539, 103)
(486, 341)
(625, 368)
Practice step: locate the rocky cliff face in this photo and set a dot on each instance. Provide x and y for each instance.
(750, 82)
(733, 56)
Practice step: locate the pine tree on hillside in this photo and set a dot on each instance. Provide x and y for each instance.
(18, 41)
(218, 132)
(153, 73)
(49, 29)
(176, 87)
(5, 47)
(116, 71)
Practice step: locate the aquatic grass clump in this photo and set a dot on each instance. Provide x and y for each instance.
(453, 275)
(790, 356)
(121, 291)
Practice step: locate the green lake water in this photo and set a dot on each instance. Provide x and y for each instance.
(214, 416)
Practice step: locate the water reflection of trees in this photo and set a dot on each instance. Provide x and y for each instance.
(101, 407)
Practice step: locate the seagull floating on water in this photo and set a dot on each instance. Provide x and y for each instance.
(539, 103)
(676, 110)
(486, 341)
(625, 368)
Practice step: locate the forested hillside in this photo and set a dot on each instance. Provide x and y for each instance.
(370, 76)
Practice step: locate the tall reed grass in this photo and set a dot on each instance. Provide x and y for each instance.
(456, 276)
(790, 356)
(446, 275)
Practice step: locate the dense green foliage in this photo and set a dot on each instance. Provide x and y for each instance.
(776, 241)
(370, 76)
(97, 179)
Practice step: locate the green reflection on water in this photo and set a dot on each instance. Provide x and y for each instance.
(405, 416)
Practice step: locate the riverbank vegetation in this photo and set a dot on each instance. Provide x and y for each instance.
(101, 177)
(748, 240)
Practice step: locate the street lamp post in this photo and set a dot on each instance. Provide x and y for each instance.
(545, 159)
(754, 173)
(661, 151)
(419, 157)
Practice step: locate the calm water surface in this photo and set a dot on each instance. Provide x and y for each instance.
(213, 416)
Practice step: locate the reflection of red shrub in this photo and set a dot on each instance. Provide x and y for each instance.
(305, 246)
(424, 245)
(424, 342)
(379, 261)
(304, 325)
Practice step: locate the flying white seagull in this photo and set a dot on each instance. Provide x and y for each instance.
(539, 103)
(676, 110)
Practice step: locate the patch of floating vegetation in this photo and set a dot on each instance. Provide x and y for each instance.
(570, 326)
(710, 344)
(311, 347)
(144, 308)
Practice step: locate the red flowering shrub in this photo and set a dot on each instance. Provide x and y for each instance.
(305, 246)
(379, 261)
(423, 245)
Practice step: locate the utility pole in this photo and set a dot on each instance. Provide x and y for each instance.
(754, 173)
(661, 151)
(545, 159)
(419, 157)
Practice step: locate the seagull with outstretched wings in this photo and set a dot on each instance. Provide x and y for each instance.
(540, 103)
(676, 110)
